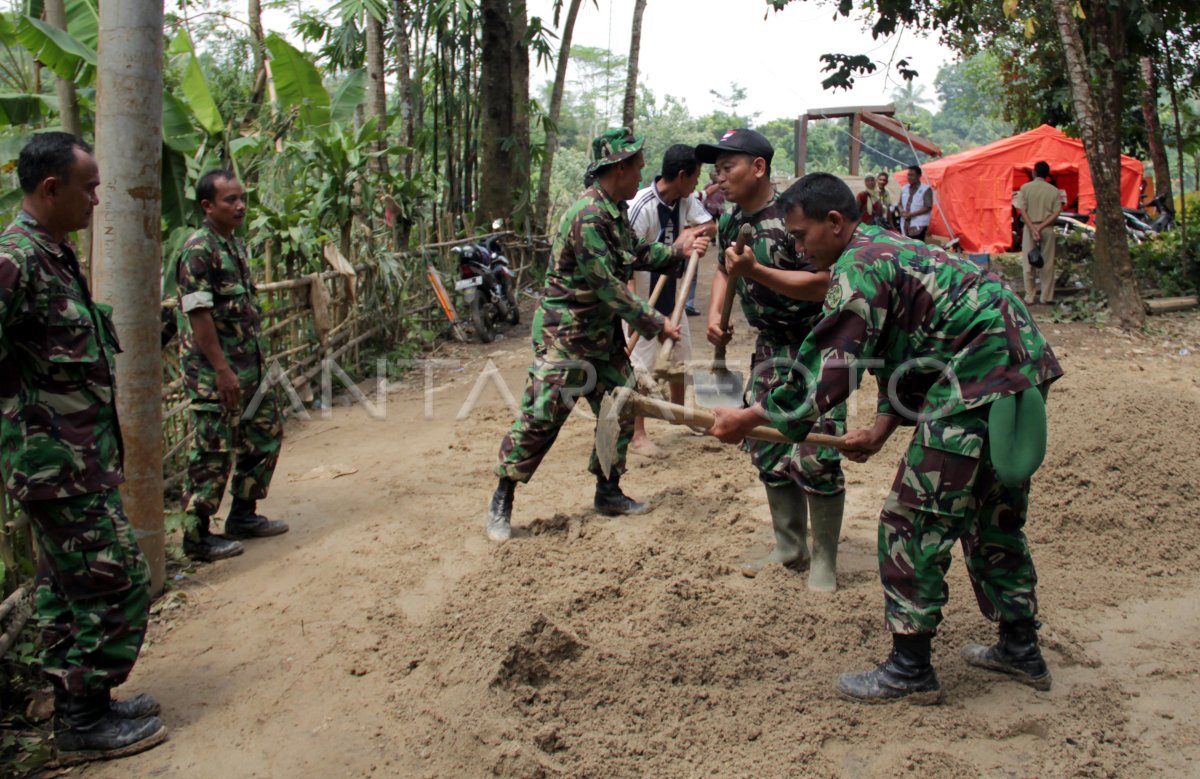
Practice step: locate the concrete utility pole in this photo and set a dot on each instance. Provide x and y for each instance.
(128, 264)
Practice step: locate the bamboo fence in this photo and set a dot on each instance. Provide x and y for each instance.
(392, 303)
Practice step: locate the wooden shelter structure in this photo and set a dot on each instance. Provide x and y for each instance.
(881, 117)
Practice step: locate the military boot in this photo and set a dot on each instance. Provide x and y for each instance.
(789, 519)
(200, 543)
(85, 729)
(611, 501)
(826, 516)
(906, 675)
(137, 707)
(245, 522)
(1016, 654)
(499, 518)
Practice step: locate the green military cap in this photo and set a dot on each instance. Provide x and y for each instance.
(613, 146)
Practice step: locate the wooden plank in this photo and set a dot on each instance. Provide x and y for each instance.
(844, 112)
(1165, 305)
(802, 144)
(889, 126)
(855, 143)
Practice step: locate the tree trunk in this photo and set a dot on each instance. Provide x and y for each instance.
(68, 113)
(1178, 145)
(377, 96)
(68, 104)
(496, 109)
(405, 104)
(635, 46)
(128, 270)
(1095, 104)
(1154, 136)
(520, 86)
(542, 204)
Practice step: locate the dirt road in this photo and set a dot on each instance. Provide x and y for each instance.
(386, 636)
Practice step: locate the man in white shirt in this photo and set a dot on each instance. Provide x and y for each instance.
(661, 212)
(916, 205)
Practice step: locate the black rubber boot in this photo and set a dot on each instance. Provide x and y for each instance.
(245, 522)
(201, 544)
(86, 729)
(138, 707)
(611, 501)
(499, 518)
(1016, 654)
(906, 675)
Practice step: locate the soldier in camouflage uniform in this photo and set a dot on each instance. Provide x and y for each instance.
(952, 347)
(781, 297)
(222, 355)
(61, 458)
(578, 346)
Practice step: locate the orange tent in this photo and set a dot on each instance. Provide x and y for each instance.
(975, 188)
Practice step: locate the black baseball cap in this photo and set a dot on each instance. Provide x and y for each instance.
(740, 141)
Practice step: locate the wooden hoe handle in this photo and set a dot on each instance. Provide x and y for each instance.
(745, 234)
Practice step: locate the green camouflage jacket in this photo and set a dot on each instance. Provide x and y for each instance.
(59, 434)
(594, 255)
(211, 273)
(780, 319)
(945, 337)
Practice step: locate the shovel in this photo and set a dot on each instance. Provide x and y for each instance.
(623, 401)
(662, 365)
(720, 386)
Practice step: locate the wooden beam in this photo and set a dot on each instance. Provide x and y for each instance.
(889, 126)
(844, 112)
(855, 143)
(1163, 305)
(802, 144)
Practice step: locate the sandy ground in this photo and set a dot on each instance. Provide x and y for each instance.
(386, 636)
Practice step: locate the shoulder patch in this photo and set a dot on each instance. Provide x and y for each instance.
(834, 296)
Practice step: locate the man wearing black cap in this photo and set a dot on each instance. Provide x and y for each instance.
(781, 297)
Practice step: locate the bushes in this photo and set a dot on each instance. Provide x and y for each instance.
(1169, 265)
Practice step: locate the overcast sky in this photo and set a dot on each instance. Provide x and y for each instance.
(692, 46)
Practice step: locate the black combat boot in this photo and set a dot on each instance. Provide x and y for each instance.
(85, 729)
(1016, 654)
(499, 516)
(611, 501)
(137, 707)
(906, 675)
(245, 522)
(201, 544)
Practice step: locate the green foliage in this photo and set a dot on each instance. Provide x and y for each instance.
(297, 82)
(58, 50)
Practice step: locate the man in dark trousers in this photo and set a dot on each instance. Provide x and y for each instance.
(61, 458)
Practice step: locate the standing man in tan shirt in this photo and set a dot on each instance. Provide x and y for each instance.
(1039, 205)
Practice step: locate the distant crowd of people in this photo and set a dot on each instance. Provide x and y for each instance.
(910, 216)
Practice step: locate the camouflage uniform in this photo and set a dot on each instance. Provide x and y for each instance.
(212, 275)
(782, 324)
(61, 458)
(948, 339)
(578, 346)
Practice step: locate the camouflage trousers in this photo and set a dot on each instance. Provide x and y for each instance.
(248, 444)
(941, 497)
(815, 469)
(92, 592)
(555, 383)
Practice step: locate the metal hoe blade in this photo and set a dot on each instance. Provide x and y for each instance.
(608, 430)
(718, 386)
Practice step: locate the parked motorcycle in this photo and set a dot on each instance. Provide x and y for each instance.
(488, 286)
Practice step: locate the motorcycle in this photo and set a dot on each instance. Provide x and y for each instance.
(488, 286)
